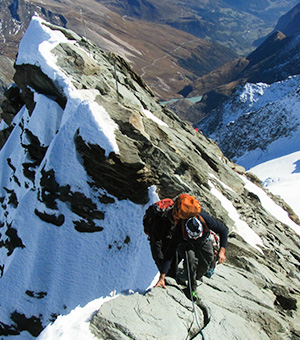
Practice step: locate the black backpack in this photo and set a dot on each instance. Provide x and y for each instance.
(155, 210)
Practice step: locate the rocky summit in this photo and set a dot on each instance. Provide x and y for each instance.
(86, 149)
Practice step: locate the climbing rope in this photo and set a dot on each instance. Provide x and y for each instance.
(191, 294)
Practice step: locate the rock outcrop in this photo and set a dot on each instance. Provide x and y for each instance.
(120, 143)
(6, 75)
(141, 316)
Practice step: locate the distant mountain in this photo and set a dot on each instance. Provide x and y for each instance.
(151, 34)
(167, 58)
(288, 24)
(259, 127)
(259, 120)
(235, 24)
(275, 59)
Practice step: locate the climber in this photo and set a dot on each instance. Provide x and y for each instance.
(159, 222)
(190, 239)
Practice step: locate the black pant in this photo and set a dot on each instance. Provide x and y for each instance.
(198, 258)
(158, 248)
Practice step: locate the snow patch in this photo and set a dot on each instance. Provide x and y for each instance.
(150, 115)
(241, 227)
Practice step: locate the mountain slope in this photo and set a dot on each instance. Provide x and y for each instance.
(288, 24)
(274, 60)
(88, 151)
(160, 50)
(259, 124)
(234, 24)
(155, 51)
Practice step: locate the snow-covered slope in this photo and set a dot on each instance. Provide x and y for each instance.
(55, 267)
(282, 177)
(261, 123)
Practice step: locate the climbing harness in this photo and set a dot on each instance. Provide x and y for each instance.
(192, 295)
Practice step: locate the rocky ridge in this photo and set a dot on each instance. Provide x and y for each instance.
(146, 319)
(257, 287)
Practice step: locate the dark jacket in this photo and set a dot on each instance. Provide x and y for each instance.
(160, 236)
(178, 237)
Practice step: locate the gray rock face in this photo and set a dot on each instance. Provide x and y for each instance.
(6, 73)
(246, 307)
(238, 301)
(141, 316)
